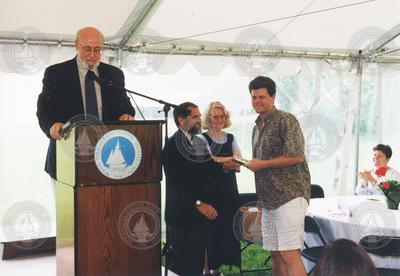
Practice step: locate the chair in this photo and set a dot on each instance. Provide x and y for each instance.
(317, 191)
(312, 253)
(381, 245)
(247, 239)
(384, 246)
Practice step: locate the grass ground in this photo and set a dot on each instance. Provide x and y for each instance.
(253, 257)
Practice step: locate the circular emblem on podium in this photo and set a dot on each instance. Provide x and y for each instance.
(139, 225)
(118, 154)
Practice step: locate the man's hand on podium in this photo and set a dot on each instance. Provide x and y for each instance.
(126, 117)
(55, 130)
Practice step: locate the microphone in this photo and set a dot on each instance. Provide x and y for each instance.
(106, 82)
(99, 80)
(66, 129)
(109, 83)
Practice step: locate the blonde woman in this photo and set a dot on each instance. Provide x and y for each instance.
(222, 246)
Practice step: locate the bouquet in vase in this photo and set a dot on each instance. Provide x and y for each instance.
(391, 189)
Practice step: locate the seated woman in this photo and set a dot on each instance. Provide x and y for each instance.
(369, 180)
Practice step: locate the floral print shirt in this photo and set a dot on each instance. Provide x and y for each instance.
(280, 135)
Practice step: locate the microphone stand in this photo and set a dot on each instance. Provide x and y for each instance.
(166, 109)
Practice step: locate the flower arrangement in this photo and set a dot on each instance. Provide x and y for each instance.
(391, 189)
(380, 172)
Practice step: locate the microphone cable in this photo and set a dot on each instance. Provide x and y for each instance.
(133, 99)
(109, 83)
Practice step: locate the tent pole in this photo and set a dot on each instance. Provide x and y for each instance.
(358, 118)
(119, 57)
(377, 46)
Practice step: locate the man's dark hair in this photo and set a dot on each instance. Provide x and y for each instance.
(182, 111)
(263, 82)
(386, 149)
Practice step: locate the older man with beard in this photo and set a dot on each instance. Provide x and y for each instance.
(69, 91)
(188, 192)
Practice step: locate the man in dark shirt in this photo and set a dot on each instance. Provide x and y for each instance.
(188, 198)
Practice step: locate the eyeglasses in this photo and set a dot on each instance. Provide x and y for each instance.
(88, 49)
(220, 117)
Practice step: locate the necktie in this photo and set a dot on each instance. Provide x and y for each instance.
(90, 97)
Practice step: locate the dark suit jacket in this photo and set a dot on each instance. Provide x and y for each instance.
(186, 182)
(61, 99)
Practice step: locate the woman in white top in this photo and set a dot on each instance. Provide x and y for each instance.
(369, 180)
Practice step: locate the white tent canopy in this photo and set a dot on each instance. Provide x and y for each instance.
(258, 27)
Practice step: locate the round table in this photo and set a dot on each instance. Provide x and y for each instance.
(353, 217)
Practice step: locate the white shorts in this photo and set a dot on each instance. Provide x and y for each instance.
(283, 228)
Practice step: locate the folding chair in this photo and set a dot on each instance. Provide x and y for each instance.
(251, 229)
(312, 253)
(384, 246)
(317, 191)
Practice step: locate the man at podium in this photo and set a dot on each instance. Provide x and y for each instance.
(188, 192)
(69, 90)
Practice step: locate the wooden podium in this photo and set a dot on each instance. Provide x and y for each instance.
(109, 223)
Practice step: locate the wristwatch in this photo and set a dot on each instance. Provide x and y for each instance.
(198, 202)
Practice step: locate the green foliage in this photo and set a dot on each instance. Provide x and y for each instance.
(253, 257)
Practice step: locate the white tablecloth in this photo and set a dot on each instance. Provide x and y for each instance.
(353, 217)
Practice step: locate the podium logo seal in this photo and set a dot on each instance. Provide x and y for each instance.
(118, 154)
(139, 225)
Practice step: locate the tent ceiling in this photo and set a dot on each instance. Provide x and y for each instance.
(163, 26)
(64, 18)
(326, 29)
